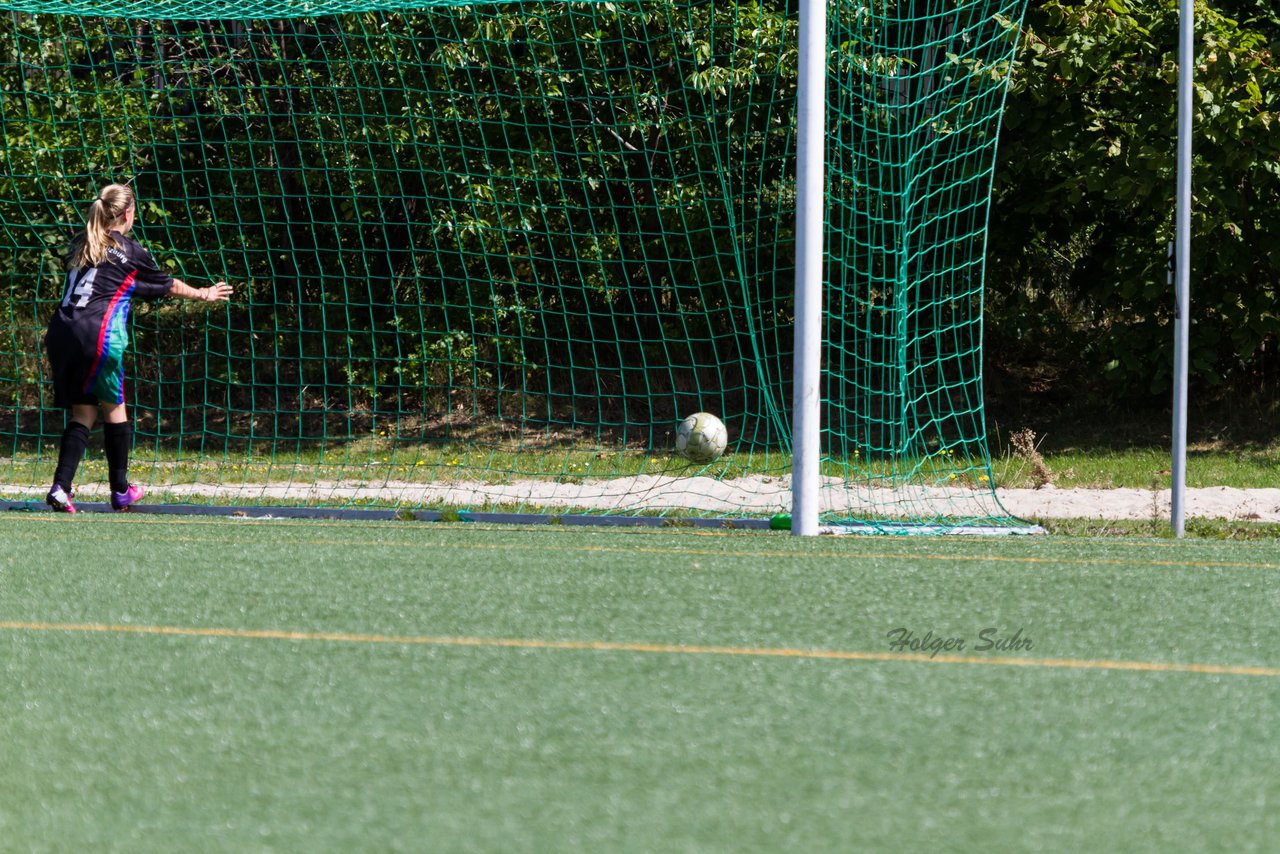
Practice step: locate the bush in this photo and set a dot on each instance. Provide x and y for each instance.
(1085, 202)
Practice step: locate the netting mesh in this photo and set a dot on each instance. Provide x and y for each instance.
(488, 256)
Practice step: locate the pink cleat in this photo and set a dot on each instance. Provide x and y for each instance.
(59, 501)
(121, 501)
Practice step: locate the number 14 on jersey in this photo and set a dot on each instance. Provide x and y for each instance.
(80, 284)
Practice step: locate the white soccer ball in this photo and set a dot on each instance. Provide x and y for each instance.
(701, 437)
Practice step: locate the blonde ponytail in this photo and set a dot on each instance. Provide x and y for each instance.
(89, 248)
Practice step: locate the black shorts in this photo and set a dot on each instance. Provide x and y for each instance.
(71, 369)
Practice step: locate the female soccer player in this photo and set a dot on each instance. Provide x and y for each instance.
(88, 334)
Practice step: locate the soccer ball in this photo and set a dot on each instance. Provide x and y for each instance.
(701, 437)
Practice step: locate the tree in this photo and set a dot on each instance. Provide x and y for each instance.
(1085, 199)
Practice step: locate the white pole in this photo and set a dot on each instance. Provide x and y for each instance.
(1182, 262)
(810, 165)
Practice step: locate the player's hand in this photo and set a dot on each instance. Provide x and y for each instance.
(221, 292)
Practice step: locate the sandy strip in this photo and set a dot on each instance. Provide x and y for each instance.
(754, 496)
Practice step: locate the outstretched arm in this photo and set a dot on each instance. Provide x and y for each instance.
(221, 292)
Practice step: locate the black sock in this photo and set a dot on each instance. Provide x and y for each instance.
(118, 440)
(74, 440)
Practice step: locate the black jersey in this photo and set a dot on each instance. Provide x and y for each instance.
(89, 331)
(96, 300)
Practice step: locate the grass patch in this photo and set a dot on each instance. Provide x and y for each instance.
(1159, 528)
(1148, 468)
(341, 706)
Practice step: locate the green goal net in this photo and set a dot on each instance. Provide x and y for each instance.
(488, 256)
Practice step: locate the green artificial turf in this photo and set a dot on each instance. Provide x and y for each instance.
(153, 701)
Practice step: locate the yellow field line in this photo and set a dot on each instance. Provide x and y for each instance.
(658, 648)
